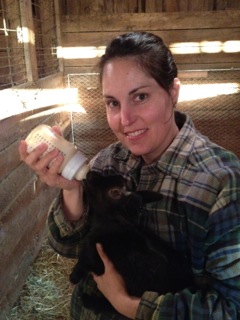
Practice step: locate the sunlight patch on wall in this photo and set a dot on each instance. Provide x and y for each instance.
(176, 48)
(80, 52)
(205, 47)
(189, 92)
(17, 101)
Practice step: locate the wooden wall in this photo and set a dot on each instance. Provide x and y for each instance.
(84, 7)
(175, 27)
(24, 204)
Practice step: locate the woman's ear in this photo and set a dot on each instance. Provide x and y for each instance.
(174, 91)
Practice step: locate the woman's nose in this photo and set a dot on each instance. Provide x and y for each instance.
(127, 116)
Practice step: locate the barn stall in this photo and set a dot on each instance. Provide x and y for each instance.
(49, 50)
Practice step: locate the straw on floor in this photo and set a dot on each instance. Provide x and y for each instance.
(47, 292)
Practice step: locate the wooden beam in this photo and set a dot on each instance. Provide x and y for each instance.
(58, 31)
(169, 36)
(151, 21)
(29, 40)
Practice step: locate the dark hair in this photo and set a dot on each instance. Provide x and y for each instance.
(149, 51)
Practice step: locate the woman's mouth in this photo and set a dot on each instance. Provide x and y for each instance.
(135, 134)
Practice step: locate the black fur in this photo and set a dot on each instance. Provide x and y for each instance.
(145, 262)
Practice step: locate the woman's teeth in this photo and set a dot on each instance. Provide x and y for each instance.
(135, 133)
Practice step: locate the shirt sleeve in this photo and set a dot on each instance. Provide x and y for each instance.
(221, 300)
(65, 236)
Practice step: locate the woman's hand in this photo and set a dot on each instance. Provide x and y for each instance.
(72, 194)
(40, 164)
(112, 286)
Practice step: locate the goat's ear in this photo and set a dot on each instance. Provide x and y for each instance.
(149, 196)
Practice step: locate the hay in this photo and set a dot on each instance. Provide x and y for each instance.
(47, 291)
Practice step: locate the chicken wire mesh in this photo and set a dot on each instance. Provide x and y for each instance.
(13, 58)
(215, 109)
(45, 37)
(90, 130)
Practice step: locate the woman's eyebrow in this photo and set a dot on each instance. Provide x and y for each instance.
(108, 96)
(138, 88)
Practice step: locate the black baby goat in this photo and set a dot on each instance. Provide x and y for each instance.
(145, 262)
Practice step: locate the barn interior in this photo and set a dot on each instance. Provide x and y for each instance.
(48, 55)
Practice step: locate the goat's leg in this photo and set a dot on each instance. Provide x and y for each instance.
(77, 273)
(98, 304)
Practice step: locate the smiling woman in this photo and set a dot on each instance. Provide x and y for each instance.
(139, 111)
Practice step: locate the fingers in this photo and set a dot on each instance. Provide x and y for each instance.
(107, 263)
(101, 252)
(46, 166)
(57, 130)
(22, 150)
(38, 160)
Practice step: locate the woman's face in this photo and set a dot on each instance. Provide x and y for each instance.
(139, 111)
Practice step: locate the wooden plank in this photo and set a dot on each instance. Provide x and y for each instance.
(17, 270)
(233, 4)
(125, 6)
(203, 58)
(208, 66)
(169, 37)
(58, 31)
(97, 6)
(208, 5)
(220, 4)
(23, 215)
(151, 21)
(195, 5)
(72, 7)
(208, 58)
(29, 46)
(63, 7)
(154, 6)
(206, 61)
(19, 257)
(170, 6)
(183, 5)
(108, 6)
(84, 8)
(181, 67)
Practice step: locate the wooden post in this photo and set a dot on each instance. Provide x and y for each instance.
(28, 39)
(58, 32)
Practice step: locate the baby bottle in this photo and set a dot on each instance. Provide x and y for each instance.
(74, 165)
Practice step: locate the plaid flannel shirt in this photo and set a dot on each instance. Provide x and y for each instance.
(199, 215)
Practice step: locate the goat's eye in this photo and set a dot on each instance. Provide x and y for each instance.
(115, 193)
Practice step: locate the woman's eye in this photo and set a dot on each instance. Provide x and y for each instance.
(141, 97)
(112, 104)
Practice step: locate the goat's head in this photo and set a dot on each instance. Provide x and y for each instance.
(108, 195)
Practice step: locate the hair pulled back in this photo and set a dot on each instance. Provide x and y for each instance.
(148, 50)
